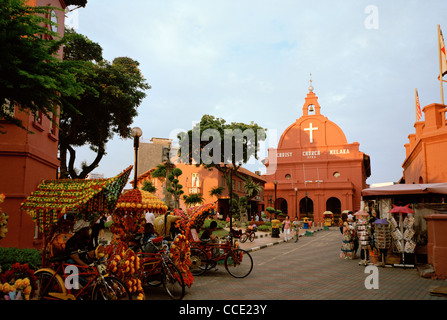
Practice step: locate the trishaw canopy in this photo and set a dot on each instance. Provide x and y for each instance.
(53, 198)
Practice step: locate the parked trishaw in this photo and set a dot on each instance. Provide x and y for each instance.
(161, 260)
(328, 218)
(60, 208)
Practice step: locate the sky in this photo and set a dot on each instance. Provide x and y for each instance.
(250, 60)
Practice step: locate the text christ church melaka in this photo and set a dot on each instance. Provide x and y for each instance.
(314, 168)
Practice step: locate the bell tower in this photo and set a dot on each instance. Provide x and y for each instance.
(311, 105)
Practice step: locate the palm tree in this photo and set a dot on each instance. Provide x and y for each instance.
(252, 189)
(217, 192)
(193, 199)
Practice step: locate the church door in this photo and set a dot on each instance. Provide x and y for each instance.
(334, 205)
(281, 204)
(306, 208)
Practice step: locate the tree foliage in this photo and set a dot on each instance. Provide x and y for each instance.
(32, 77)
(214, 143)
(112, 94)
(176, 189)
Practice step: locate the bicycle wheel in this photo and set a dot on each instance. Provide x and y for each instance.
(243, 238)
(111, 289)
(49, 286)
(198, 261)
(252, 236)
(238, 263)
(173, 281)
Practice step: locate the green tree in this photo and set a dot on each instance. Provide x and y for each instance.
(217, 192)
(252, 189)
(176, 188)
(214, 143)
(193, 199)
(32, 77)
(148, 186)
(112, 94)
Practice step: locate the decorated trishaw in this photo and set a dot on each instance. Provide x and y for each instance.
(59, 206)
(204, 254)
(167, 263)
(328, 218)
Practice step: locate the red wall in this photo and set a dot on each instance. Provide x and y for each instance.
(25, 160)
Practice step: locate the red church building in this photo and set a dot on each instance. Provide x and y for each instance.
(315, 169)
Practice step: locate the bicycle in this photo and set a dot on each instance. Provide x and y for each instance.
(206, 255)
(55, 284)
(249, 234)
(158, 268)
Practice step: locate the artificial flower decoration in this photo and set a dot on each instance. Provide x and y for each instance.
(53, 198)
(193, 218)
(180, 254)
(136, 200)
(19, 283)
(123, 263)
(3, 219)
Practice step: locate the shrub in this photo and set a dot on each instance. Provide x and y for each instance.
(264, 227)
(9, 256)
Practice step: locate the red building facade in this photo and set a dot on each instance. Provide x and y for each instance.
(26, 159)
(314, 169)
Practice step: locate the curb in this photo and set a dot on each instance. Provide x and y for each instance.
(271, 244)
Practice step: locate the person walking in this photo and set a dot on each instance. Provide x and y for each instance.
(286, 231)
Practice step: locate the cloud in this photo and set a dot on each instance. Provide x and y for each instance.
(250, 60)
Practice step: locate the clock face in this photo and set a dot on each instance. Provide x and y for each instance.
(54, 20)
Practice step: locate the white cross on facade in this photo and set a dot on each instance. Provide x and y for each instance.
(311, 130)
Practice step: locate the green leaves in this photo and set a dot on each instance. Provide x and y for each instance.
(32, 77)
(112, 92)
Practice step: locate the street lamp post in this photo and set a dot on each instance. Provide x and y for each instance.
(275, 183)
(136, 134)
(296, 202)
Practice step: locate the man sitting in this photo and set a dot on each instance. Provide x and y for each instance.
(208, 236)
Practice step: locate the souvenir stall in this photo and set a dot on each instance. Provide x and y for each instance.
(363, 234)
(56, 205)
(402, 233)
(382, 238)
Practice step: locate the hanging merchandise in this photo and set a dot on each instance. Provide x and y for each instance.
(382, 237)
(403, 232)
(382, 234)
(363, 231)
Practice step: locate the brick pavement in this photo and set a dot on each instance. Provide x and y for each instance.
(309, 270)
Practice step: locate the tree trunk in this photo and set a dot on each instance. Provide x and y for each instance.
(86, 170)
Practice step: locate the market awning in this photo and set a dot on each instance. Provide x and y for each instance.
(53, 198)
(397, 189)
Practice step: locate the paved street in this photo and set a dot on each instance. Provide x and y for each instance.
(308, 270)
